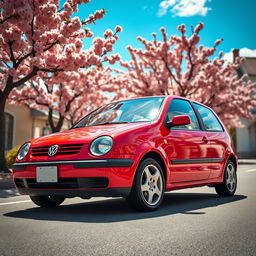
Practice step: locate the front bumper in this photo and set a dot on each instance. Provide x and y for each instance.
(84, 193)
(99, 163)
(83, 178)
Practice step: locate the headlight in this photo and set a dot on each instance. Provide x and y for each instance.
(23, 151)
(101, 145)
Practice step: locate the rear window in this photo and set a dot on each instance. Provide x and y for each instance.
(210, 121)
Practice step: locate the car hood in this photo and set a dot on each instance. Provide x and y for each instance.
(85, 134)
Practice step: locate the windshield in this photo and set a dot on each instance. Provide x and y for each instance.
(129, 111)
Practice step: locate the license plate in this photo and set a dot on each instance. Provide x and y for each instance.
(47, 174)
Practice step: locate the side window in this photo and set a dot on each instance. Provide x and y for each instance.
(182, 107)
(210, 121)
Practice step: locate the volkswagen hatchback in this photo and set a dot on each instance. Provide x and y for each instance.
(137, 149)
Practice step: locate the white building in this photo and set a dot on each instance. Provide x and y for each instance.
(246, 136)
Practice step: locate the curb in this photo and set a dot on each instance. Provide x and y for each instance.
(246, 161)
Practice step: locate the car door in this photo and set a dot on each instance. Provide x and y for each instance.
(216, 136)
(187, 146)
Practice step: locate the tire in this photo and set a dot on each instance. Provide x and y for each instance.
(148, 187)
(47, 201)
(229, 184)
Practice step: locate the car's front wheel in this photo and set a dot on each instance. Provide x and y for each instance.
(47, 201)
(148, 187)
(229, 184)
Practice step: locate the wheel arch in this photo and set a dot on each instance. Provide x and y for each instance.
(159, 158)
(233, 158)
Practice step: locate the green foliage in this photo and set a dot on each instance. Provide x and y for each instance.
(11, 156)
(232, 133)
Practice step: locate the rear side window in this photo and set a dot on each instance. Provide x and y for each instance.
(210, 121)
(182, 107)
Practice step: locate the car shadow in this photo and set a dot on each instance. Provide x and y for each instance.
(117, 210)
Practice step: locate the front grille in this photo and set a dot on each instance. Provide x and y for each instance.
(64, 183)
(65, 149)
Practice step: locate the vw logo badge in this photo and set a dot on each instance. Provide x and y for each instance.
(53, 150)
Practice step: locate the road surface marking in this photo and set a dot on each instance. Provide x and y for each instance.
(16, 202)
(252, 170)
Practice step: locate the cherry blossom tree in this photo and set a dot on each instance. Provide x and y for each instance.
(180, 66)
(39, 38)
(69, 94)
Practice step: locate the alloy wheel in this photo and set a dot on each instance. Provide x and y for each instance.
(231, 179)
(151, 185)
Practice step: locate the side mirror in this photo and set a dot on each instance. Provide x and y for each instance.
(178, 121)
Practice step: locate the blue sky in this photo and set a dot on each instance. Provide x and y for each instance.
(233, 20)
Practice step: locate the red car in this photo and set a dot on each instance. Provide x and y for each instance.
(136, 149)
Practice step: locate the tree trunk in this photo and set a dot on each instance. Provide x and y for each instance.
(3, 166)
(3, 97)
(59, 124)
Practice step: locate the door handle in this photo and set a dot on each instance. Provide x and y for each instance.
(205, 140)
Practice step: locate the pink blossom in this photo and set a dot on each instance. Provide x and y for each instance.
(217, 42)
(88, 32)
(109, 47)
(52, 52)
(99, 14)
(199, 27)
(118, 28)
(108, 33)
(182, 28)
(162, 29)
(181, 66)
(12, 72)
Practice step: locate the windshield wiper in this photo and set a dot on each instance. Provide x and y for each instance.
(125, 122)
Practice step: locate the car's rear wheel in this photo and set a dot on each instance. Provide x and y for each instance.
(148, 187)
(229, 184)
(47, 201)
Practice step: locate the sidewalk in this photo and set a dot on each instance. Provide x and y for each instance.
(6, 181)
(246, 161)
(10, 192)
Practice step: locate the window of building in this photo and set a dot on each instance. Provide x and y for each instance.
(46, 130)
(8, 131)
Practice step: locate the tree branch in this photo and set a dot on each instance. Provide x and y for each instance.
(30, 53)
(47, 88)
(26, 78)
(174, 78)
(6, 64)
(51, 69)
(2, 21)
(50, 119)
(32, 31)
(191, 63)
(10, 43)
(35, 88)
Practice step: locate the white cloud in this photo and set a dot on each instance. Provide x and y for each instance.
(243, 52)
(228, 56)
(184, 8)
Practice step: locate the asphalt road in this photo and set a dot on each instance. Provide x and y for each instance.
(190, 222)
